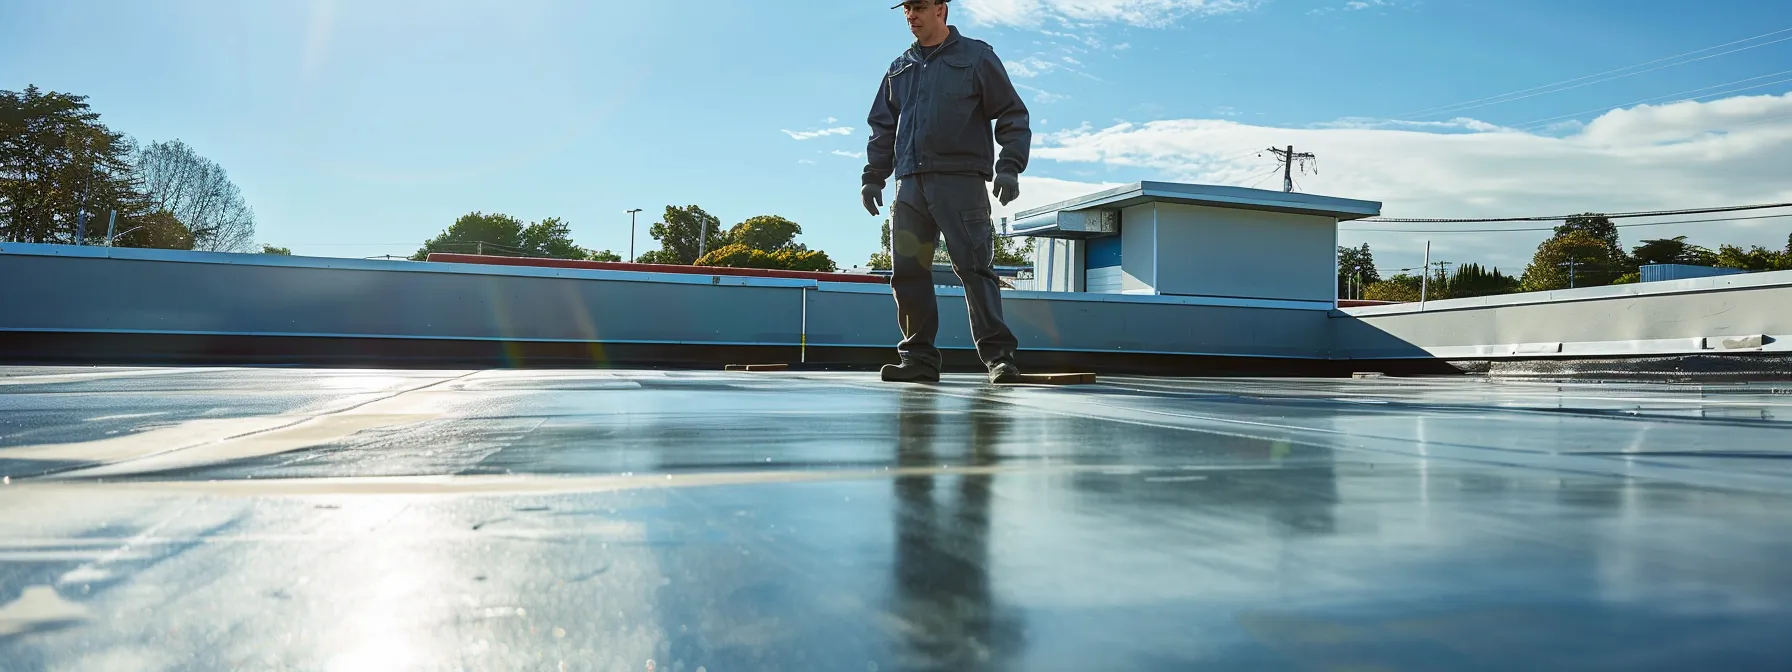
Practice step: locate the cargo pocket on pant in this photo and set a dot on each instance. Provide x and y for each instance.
(977, 227)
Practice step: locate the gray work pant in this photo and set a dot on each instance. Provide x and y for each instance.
(928, 206)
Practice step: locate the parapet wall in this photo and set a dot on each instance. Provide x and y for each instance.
(1731, 314)
(149, 306)
(119, 306)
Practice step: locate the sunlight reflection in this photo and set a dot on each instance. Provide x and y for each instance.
(388, 577)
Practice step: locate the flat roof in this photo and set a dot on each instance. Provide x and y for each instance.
(609, 518)
(1344, 209)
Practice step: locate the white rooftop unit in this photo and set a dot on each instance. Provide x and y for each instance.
(1229, 243)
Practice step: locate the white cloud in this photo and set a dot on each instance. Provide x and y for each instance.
(1031, 66)
(1041, 95)
(1090, 41)
(805, 162)
(850, 155)
(810, 135)
(1679, 155)
(1144, 13)
(1359, 5)
(830, 120)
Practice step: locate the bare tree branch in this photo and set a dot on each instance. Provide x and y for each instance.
(199, 194)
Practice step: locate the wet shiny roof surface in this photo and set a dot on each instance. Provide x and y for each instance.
(675, 520)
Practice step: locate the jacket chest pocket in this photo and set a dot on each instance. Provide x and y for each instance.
(953, 76)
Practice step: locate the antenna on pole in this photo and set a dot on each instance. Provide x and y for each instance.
(1288, 158)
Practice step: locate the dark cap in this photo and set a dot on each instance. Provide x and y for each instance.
(937, 2)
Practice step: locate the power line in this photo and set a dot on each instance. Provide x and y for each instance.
(1262, 177)
(1540, 122)
(1597, 74)
(1257, 152)
(1541, 90)
(1558, 218)
(1551, 228)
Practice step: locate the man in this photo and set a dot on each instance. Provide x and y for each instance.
(930, 128)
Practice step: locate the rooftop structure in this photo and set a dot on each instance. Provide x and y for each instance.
(1162, 238)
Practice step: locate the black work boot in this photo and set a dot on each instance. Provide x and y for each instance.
(910, 371)
(1004, 373)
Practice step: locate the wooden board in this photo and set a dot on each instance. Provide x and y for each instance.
(758, 367)
(1057, 379)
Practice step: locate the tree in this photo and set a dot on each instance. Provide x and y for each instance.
(736, 255)
(605, 255)
(270, 249)
(1755, 258)
(1577, 259)
(551, 238)
(1597, 226)
(199, 193)
(678, 236)
(1007, 251)
(769, 233)
(60, 167)
(159, 229)
(767, 241)
(1010, 253)
(880, 260)
(1471, 280)
(1401, 287)
(498, 234)
(1356, 268)
(1601, 228)
(1671, 251)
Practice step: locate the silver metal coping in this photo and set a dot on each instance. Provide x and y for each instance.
(1688, 286)
(1344, 209)
(1703, 345)
(283, 261)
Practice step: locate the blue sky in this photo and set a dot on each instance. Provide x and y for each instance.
(362, 128)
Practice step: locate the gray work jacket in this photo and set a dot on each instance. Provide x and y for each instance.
(933, 114)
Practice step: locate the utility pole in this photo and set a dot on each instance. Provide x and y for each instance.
(631, 233)
(702, 238)
(1288, 159)
(1572, 263)
(1425, 278)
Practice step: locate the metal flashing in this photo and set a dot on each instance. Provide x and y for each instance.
(1689, 286)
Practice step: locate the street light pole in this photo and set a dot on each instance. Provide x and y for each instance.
(631, 234)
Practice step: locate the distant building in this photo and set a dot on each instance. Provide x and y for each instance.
(1665, 272)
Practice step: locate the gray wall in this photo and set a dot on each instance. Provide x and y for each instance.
(1138, 237)
(1058, 264)
(1108, 280)
(1667, 318)
(76, 290)
(75, 294)
(204, 293)
(1205, 251)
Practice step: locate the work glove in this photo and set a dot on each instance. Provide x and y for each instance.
(1007, 187)
(873, 196)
